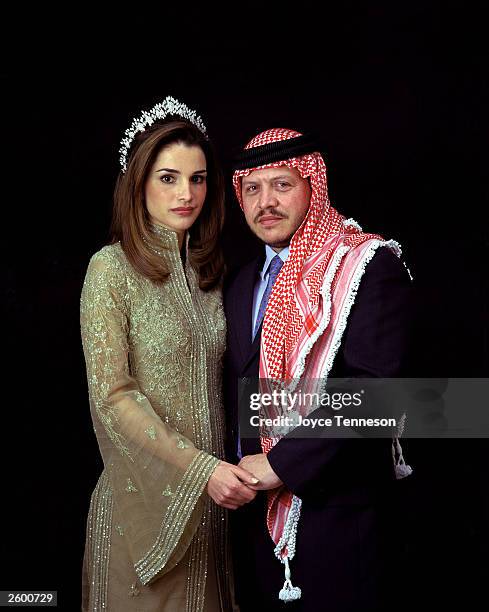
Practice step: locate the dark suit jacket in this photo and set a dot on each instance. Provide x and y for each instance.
(344, 484)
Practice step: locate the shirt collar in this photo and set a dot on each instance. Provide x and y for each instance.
(269, 255)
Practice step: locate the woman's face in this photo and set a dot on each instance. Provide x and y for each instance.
(176, 187)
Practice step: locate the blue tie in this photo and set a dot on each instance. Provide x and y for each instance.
(275, 267)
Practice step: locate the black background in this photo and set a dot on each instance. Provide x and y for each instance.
(397, 91)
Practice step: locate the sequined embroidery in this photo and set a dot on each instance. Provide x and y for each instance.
(99, 542)
(108, 419)
(198, 474)
(119, 529)
(134, 592)
(130, 486)
(154, 349)
(151, 432)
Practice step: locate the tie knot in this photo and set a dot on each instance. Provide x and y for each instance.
(275, 267)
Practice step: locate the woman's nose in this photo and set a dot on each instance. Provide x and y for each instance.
(185, 193)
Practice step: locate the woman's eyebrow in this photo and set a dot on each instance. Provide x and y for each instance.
(178, 171)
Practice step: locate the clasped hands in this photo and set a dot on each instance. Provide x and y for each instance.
(232, 486)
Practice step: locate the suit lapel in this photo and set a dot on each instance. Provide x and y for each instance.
(253, 349)
(243, 304)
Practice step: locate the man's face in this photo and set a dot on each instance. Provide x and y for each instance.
(275, 202)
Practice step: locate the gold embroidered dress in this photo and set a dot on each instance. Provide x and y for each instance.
(155, 539)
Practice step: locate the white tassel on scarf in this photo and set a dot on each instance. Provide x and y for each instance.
(289, 592)
(400, 466)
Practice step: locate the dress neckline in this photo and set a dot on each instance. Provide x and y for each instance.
(167, 239)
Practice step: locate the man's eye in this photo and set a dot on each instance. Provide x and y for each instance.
(250, 188)
(283, 184)
(167, 178)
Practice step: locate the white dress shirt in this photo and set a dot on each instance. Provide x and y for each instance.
(261, 283)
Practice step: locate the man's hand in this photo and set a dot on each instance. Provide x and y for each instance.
(229, 485)
(261, 468)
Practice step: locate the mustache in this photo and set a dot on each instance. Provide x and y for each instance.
(265, 212)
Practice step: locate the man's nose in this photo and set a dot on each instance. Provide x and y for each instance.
(267, 199)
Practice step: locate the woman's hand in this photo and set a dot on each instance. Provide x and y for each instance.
(228, 486)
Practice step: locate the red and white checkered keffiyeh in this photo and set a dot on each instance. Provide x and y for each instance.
(295, 309)
(308, 308)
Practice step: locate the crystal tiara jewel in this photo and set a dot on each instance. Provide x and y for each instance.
(169, 106)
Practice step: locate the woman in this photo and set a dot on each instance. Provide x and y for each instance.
(153, 336)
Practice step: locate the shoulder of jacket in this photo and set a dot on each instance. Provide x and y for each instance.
(235, 275)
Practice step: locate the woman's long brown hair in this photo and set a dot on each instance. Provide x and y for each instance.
(130, 220)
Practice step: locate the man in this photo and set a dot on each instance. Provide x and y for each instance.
(324, 300)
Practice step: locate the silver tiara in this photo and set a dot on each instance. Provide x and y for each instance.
(169, 106)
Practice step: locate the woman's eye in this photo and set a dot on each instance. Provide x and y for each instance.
(167, 178)
(198, 178)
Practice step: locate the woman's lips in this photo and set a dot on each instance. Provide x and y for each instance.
(269, 220)
(183, 211)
